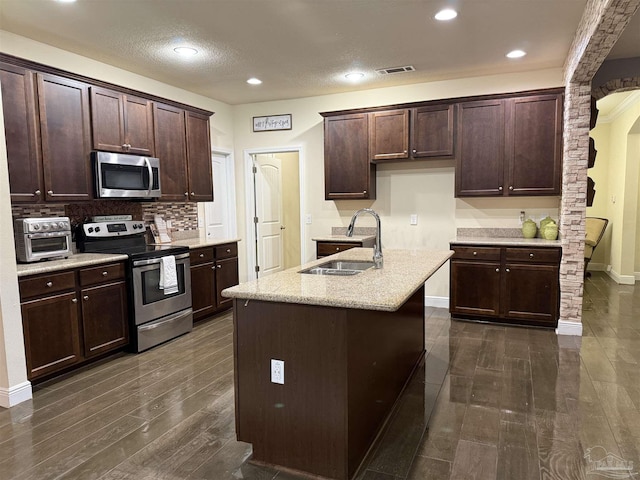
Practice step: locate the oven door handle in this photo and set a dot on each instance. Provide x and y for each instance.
(172, 318)
(150, 170)
(152, 261)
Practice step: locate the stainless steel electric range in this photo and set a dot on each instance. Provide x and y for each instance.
(156, 315)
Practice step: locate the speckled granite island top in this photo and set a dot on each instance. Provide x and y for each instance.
(343, 238)
(386, 289)
(202, 241)
(506, 242)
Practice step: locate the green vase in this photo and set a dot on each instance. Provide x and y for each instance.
(550, 231)
(544, 222)
(529, 229)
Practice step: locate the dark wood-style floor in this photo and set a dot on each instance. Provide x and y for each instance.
(500, 403)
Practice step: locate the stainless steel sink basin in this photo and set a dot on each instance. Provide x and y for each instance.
(339, 267)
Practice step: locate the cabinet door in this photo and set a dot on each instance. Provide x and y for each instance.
(480, 157)
(531, 293)
(389, 135)
(21, 133)
(138, 125)
(534, 145)
(104, 318)
(203, 289)
(347, 171)
(51, 337)
(475, 288)
(107, 120)
(66, 140)
(199, 158)
(171, 149)
(226, 276)
(432, 131)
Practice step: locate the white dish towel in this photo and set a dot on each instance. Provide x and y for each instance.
(168, 275)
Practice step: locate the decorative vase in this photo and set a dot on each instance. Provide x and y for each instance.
(550, 231)
(544, 222)
(529, 229)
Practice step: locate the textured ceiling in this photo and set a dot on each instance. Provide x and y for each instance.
(300, 48)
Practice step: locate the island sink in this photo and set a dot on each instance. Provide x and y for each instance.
(339, 267)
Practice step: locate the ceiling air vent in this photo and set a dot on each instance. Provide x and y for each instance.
(387, 71)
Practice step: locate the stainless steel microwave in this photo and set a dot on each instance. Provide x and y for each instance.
(118, 175)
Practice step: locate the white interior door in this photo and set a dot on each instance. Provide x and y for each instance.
(217, 214)
(268, 195)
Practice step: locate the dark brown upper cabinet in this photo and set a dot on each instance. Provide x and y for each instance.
(21, 133)
(389, 135)
(66, 139)
(171, 149)
(121, 123)
(432, 132)
(509, 147)
(348, 173)
(199, 158)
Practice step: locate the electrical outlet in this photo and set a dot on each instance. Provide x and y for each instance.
(307, 219)
(277, 371)
(413, 219)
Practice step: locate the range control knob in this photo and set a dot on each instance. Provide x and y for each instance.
(140, 226)
(62, 225)
(45, 226)
(97, 229)
(135, 226)
(36, 227)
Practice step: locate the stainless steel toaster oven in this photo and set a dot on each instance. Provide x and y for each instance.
(42, 238)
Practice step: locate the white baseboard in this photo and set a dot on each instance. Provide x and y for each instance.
(438, 302)
(569, 328)
(15, 395)
(622, 279)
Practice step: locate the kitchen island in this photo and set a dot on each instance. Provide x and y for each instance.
(348, 345)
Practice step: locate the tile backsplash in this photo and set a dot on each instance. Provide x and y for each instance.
(183, 216)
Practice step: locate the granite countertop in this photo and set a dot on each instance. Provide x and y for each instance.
(506, 242)
(386, 289)
(343, 238)
(202, 241)
(74, 261)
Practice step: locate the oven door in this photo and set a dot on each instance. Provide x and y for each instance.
(149, 301)
(39, 246)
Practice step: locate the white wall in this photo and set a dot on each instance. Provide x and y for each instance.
(425, 188)
(600, 208)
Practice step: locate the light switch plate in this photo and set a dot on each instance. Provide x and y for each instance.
(277, 371)
(413, 219)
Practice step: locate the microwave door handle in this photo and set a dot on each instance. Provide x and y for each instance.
(150, 170)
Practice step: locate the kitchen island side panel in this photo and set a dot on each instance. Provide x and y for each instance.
(302, 423)
(383, 348)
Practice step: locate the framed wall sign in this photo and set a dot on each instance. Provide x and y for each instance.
(272, 122)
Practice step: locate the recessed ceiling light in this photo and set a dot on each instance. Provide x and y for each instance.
(516, 54)
(446, 14)
(185, 51)
(354, 76)
(65, 1)
(254, 81)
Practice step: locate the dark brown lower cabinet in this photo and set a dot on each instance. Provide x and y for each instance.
(52, 340)
(73, 316)
(213, 268)
(505, 284)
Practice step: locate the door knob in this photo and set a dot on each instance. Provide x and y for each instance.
(282, 227)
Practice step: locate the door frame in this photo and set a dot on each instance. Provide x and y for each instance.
(250, 199)
(231, 192)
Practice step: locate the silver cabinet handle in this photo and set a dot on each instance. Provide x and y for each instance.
(201, 255)
(364, 191)
(213, 268)
(74, 300)
(50, 192)
(49, 284)
(337, 249)
(218, 266)
(186, 194)
(104, 274)
(507, 270)
(531, 255)
(475, 253)
(500, 188)
(404, 151)
(497, 269)
(228, 250)
(193, 193)
(86, 297)
(415, 151)
(510, 187)
(37, 192)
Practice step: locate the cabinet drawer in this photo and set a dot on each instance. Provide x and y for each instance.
(101, 274)
(201, 255)
(47, 284)
(535, 255)
(327, 248)
(476, 253)
(227, 250)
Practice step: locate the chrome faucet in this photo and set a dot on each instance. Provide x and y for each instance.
(377, 248)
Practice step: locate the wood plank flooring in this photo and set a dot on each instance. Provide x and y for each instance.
(489, 402)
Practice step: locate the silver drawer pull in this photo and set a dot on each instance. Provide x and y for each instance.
(531, 255)
(104, 274)
(74, 300)
(219, 266)
(507, 270)
(475, 253)
(49, 284)
(228, 250)
(86, 297)
(337, 249)
(497, 269)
